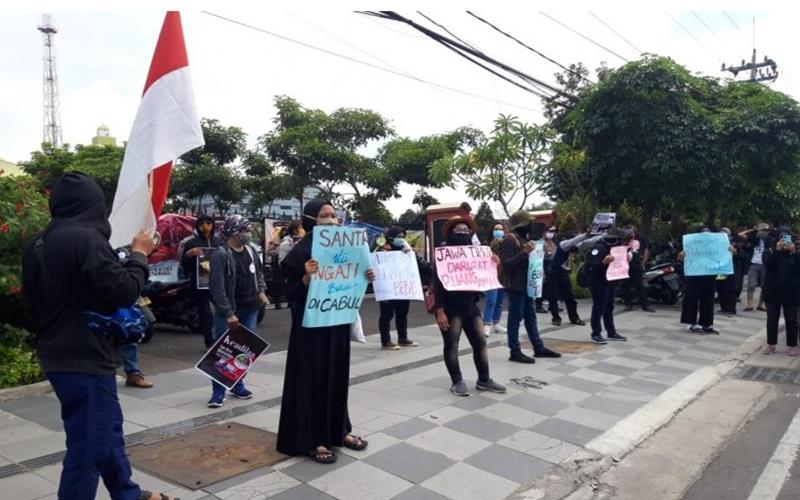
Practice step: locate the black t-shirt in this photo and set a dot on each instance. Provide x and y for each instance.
(246, 292)
(638, 254)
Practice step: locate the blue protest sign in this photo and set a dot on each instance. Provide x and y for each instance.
(536, 270)
(707, 254)
(336, 291)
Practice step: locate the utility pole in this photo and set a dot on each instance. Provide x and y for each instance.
(765, 71)
(52, 118)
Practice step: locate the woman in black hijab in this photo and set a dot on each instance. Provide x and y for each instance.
(314, 416)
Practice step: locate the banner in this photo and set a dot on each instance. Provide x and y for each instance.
(336, 291)
(204, 268)
(467, 268)
(396, 276)
(619, 269)
(231, 356)
(603, 221)
(536, 270)
(165, 271)
(707, 254)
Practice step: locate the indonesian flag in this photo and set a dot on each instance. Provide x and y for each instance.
(166, 126)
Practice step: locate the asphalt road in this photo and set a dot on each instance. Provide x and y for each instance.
(174, 349)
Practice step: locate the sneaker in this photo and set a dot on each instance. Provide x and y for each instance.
(520, 357)
(578, 322)
(695, 328)
(241, 392)
(617, 337)
(547, 353)
(769, 349)
(794, 351)
(598, 339)
(497, 328)
(487, 329)
(407, 343)
(390, 346)
(217, 398)
(490, 385)
(556, 322)
(460, 389)
(710, 329)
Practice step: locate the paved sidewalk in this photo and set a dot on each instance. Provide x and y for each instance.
(425, 443)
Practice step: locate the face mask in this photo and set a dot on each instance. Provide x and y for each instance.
(327, 221)
(459, 239)
(399, 242)
(611, 241)
(498, 233)
(549, 236)
(245, 238)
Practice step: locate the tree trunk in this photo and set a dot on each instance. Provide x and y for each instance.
(647, 218)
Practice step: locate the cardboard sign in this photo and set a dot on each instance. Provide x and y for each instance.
(467, 268)
(336, 291)
(204, 268)
(603, 221)
(707, 254)
(619, 269)
(232, 356)
(536, 270)
(396, 276)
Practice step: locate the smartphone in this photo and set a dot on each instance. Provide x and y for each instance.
(787, 238)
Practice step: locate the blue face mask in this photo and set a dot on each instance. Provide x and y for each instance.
(399, 242)
(498, 233)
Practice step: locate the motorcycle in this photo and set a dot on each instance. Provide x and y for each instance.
(663, 283)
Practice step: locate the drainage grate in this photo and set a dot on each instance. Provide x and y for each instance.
(772, 375)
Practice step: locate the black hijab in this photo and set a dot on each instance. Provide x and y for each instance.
(301, 252)
(311, 210)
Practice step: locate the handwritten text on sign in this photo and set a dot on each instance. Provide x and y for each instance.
(466, 268)
(707, 254)
(336, 291)
(618, 269)
(396, 276)
(536, 270)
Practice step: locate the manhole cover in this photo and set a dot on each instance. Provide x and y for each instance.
(207, 455)
(570, 346)
(773, 375)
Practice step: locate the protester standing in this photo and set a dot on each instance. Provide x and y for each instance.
(237, 291)
(782, 289)
(633, 287)
(697, 309)
(601, 289)
(193, 250)
(457, 311)
(756, 239)
(560, 269)
(550, 287)
(726, 285)
(69, 269)
(314, 417)
(493, 299)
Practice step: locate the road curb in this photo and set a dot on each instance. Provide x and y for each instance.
(26, 391)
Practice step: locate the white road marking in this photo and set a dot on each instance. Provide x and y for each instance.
(777, 469)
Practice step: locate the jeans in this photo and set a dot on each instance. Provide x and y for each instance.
(130, 358)
(789, 315)
(205, 319)
(470, 321)
(248, 320)
(603, 308)
(493, 308)
(520, 307)
(397, 309)
(95, 444)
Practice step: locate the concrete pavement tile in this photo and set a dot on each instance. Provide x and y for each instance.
(22, 431)
(636, 356)
(545, 447)
(377, 441)
(627, 362)
(678, 361)
(482, 427)
(704, 347)
(610, 406)
(567, 431)
(158, 417)
(660, 367)
(590, 418)
(465, 482)
(185, 494)
(617, 393)
(564, 368)
(473, 402)
(654, 353)
(596, 376)
(508, 463)
(26, 486)
(453, 444)
(409, 462)
(411, 427)
(613, 369)
(444, 414)
(35, 447)
(642, 385)
(362, 414)
(706, 357)
(537, 404)
(24, 405)
(302, 492)
(200, 394)
(580, 362)
(580, 384)
(563, 393)
(264, 419)
(308, 470)
(417, 492)
(261, 487)
(510, 414)
(236, 480)
(384, 422)
(360, 480)
(664, 347)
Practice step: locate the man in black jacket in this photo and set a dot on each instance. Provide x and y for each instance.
(71, 268)
(603, 290)
(194, 249)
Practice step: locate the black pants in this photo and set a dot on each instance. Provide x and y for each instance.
(558, 286)
(470, 321)
(603, 308)
(789, 315)
(205, 320)
(699, 297)
(633, 287)
(726, 289)
(397, 309)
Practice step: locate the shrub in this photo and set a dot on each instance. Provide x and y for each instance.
(18, 364)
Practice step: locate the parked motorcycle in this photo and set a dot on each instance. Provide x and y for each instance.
(663, 283)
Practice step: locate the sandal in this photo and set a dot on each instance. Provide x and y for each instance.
(356, 443)
(323, 456)
(147, 495)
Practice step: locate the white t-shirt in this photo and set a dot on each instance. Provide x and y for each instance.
(758, 253)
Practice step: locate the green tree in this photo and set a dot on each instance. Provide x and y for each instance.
(224, 144)
(49, 164)
(369, 208)
(103, 164)
(485, 221)
(410, 218)
(423, 200)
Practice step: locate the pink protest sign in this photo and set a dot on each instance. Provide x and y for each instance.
(467, 268)
(618, 270)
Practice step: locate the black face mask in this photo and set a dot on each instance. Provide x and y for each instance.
(459, 239)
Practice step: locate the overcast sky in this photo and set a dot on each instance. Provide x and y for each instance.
(103, 57)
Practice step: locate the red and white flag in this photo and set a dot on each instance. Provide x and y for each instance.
(166, 126)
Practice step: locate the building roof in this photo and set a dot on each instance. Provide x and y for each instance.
(10, 169)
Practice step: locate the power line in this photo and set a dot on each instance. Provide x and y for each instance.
(638, 51)
(687, 31)
(529, 47)
(448, 31)
(364, 63)
(704, 23)
(732, 21)
(582, 36)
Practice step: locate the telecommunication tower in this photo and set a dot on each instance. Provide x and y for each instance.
(51, 130)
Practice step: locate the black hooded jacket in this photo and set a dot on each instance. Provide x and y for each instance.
(82, 274)
(189, 264)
